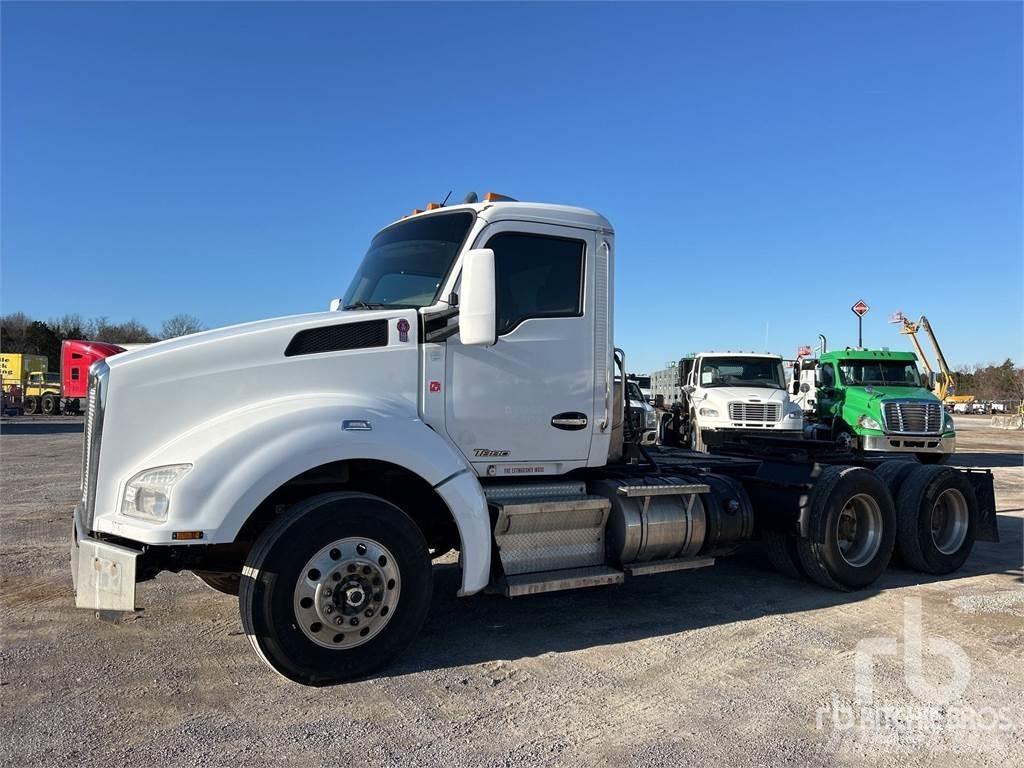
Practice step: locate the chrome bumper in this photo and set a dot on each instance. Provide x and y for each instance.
(908, 444)
(103, 573)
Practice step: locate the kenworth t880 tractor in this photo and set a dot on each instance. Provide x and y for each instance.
(465, 395)
(874, 400)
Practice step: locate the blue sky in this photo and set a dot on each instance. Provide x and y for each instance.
(764, 164)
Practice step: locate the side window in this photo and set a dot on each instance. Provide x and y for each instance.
(825, 376)
(536, 276)
(74, 373)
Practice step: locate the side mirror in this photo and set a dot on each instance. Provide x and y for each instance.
(796, 387)
(933, 377)
(477, 300)
(689, 389)
(659, 401)
(335, 305)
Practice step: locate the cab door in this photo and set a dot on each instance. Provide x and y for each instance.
(525, 405)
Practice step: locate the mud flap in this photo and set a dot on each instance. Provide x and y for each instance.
(986, 528)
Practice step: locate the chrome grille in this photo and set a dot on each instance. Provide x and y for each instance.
(755, 412)
(92, 433)
(913, 417)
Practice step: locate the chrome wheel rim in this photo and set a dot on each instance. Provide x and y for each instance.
(859, 530)
(347, 592)
(948, 521)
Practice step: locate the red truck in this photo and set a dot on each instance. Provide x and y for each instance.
(53, 393)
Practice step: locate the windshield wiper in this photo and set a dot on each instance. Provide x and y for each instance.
(364, 305)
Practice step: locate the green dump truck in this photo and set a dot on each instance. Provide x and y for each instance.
(873, 400)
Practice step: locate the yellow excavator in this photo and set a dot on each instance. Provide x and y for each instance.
(943, 384)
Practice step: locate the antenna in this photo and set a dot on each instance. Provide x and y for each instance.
(446, 198)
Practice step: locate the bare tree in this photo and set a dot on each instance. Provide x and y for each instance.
(180, 325)
(13, 331)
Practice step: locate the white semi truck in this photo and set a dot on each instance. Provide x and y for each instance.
(722, 394)
(464, 396)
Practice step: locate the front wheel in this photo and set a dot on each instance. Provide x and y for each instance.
(335, 588)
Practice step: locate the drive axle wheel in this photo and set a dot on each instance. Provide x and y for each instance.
(938, 511)
(31, 405)
(851, 528)
(335, 588)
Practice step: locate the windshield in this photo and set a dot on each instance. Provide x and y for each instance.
(407, 263)
(634, 392)
(890, 373)
(742, 372)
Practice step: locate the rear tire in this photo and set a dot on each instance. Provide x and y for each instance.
(782, 553)
(851, 529)
(335, 588)
(938, 513)
(31, 405)
(51, 405)
(893, 473)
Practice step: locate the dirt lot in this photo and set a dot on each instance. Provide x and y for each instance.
(728, 665)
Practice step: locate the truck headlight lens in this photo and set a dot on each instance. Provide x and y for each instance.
(709, 412)
(651, 419)
(794, 414)
(148, 494)
(867, 422)
(947, 424)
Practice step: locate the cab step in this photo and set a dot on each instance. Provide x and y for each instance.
(554, 581)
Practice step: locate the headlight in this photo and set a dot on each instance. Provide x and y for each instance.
(867, 422)
(794, 414)
(651, 419)
(947, 425)
(148, 494)
(709, 412)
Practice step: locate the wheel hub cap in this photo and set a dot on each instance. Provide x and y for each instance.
(949, 521)
(859, 530)
(346, 593)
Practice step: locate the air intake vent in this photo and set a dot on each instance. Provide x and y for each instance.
(336, 338)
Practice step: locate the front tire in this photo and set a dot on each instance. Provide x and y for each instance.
(851, 529)
(335, 588)
(51, 405)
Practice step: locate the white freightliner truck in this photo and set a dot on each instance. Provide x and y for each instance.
(464, 397)
(725, 393)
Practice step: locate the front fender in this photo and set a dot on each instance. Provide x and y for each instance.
(241, 457)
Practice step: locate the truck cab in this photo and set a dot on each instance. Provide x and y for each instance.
(733, 392)
(875, 400)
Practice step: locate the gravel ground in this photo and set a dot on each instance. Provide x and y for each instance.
(728, 665)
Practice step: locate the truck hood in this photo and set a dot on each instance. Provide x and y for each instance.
(158, 393)
(745, 394)
(871, 398)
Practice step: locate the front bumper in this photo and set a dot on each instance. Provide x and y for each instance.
(908, 443)
(104, 574)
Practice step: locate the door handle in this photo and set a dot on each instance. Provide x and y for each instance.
(571, 420)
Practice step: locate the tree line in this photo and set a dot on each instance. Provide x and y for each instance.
(991, 382)
(20, 333)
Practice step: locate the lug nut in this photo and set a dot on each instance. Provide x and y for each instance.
(368, 612)
(354, 621)
(327, 591)
(328, 609)
(339, 620)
